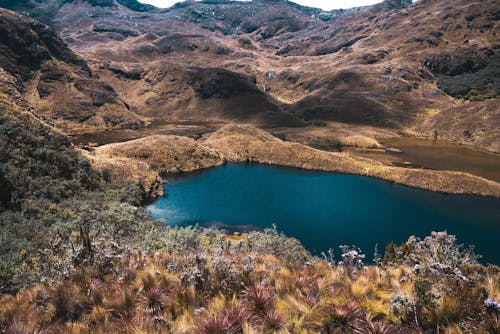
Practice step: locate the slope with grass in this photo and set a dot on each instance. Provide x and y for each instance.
(57, 82)
(202, 283)
(278, 64)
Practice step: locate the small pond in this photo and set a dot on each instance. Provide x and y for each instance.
(325, 210)
(446, 156)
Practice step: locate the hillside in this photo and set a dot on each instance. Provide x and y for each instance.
(101, 100)
(55, 80)
(278, 64)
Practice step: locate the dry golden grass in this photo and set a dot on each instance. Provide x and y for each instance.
(237, 142)
(155, 295)
(123, 169)
(165, 154)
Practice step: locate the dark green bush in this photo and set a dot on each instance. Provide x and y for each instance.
(480, 85)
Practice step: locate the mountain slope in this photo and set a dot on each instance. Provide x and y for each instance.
(57, 83)
(310, 66)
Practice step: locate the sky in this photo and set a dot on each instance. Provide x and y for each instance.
(323, 4)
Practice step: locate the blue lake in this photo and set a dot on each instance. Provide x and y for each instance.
(325, 210)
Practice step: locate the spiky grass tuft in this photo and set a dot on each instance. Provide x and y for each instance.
(258, 298)
(344, 318)
(274, 321)
(154, 300)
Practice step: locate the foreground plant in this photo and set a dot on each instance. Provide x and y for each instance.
(264, 294)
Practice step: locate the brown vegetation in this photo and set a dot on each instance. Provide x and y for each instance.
(165, 154)
(467, 123)
(57, 83)
(193, 62)
(246, 143)
(120, 169)
(240, 289)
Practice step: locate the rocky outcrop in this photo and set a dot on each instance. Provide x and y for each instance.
(395, 4)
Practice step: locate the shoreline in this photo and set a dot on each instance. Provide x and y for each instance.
(179, 175)
(237, 143)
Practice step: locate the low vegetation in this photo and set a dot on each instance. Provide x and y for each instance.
(199, 282)
(477, 86)
(53, 203)
(80, 255)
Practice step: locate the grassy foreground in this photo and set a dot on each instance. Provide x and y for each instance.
(78, 254)
(267, 283)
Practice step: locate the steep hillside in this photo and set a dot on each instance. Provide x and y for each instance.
(56, 82)
(294, 65)
(475, 122)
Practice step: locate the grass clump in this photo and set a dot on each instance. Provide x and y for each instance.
(261, 293)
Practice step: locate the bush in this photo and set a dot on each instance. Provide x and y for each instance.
(480, 85)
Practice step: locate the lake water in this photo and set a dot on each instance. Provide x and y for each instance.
(325, 210)
(447, 156)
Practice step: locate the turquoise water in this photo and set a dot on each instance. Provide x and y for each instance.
(325, 210)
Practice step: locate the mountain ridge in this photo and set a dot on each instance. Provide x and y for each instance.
(359, 69)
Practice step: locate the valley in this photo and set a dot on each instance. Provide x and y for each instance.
(191, 69)
(146, 153)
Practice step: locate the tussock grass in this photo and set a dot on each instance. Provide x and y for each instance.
(268, 294)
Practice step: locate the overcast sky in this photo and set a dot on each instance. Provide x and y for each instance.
(324, 4)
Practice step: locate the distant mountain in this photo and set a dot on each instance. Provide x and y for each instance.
(385, 65)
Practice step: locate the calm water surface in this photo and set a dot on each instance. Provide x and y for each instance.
(447, 156)
(325, 210)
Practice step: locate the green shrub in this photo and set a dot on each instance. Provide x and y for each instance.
(480, 85)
